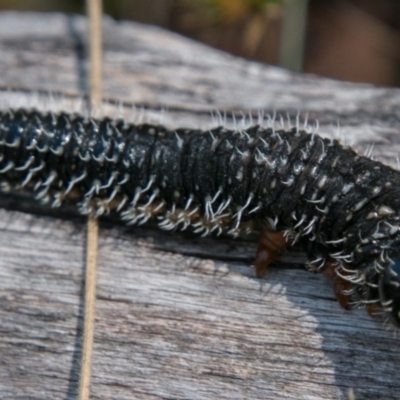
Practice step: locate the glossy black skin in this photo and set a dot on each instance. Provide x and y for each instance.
(288, 175)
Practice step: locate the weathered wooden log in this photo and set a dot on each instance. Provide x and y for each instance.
(177, 316)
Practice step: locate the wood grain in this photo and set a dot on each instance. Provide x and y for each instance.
(177, 316)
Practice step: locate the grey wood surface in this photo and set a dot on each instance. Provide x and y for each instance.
(177, 317)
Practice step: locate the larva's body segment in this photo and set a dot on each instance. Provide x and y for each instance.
(233, 181)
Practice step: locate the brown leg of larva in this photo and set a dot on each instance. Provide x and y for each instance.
(270, 245)
(340, 285)
(372, 310)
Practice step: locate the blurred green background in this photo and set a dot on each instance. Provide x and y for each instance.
(354, 40)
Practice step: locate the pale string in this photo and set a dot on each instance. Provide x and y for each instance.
(94, 10)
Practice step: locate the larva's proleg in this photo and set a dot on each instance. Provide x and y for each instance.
(345, 208)
(271, 245)
(341, 286)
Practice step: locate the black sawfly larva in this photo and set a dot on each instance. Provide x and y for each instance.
(289, 185)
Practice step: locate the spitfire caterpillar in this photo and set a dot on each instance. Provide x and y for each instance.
(289, 185)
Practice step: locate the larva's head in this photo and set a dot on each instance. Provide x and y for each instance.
(383, 279)
(379, 269)
(389, 291)
(389, 278)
